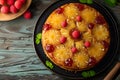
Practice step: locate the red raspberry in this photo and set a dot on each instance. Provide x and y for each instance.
(100, 20)
(23, 1)
(27, 15)
(59, 10)
(68, 62)
(49, 48)
(63, 39)
(74, 49)
(5, 9)
(76, 34)
(92, 61)
(80, 6)
(90, 25)
(13, 9)
(2, 2)
(64, 23)
(87, 44)
(18, 4)
(46, 26)
(10, 2)
(78, 18)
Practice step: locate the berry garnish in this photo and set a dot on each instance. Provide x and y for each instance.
(27, 15)
(59, 10)
(87, 44)
(80, 7)
(46, 26)
(2, 2)
(63, 39)
(64, 23)
(76, 34)
(92, 61)
(90, 25)
(13, 9)
(18, 4)
(100, 20)
(5, 9)
(74, 49)
(78, 18)
(23, 1)
(105, 44)
(68, 62)
(49, 48)
(10, 2)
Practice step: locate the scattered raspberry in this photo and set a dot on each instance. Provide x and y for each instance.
(10, 2)
(63, 39)
(49, 48)
(5, 9)
(13, 9)
(92, 61)
(74, 49)
(46, 26)
(2, 2)
(18, 4)
(64, 23)
(100, 20)
(59, 10)
(78, 18)
(90, 25)
(80, 7)
(87, 44)
(27, 15)
(76, 34)
(69, 62)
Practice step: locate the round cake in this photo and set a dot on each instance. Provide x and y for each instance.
(75, 37)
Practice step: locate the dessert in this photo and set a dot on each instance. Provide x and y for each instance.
(75, 37)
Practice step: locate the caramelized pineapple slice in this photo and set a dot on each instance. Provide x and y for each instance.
(71, 25)
(62, 53)
(81, 60)
(56, 20)
(96, 51)
(69, 43)
(87, 36)
(51, 36)
(100, 32)
(80, 45)
(81, 26)
(64, 32)
(89, 15)
(71, 11)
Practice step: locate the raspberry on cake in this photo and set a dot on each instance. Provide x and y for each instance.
(75, 37)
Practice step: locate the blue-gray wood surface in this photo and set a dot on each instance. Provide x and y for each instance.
(18, 60)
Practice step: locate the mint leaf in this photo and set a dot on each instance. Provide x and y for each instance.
(111, 3)
(89, 1)
(92, 73)
(39, 36)
(49, 64)
(37, 41)
(83, 1)
(85, 74)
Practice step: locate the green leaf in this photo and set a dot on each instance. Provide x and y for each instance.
(83, 1)
(49, 64)
(37, 41)
(85, 74)
(89, 1)
(39, 36)
(111, 3)
(92, 73)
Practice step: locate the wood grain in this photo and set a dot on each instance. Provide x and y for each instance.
(18, 60)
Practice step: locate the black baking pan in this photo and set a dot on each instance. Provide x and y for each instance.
(103, 64)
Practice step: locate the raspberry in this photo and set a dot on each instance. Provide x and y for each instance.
(18, 4)
(78, 18)
(76, 34)
(10, 2)
(68, 62)
(27, 15)
(92, 61)
(5, 9)
(74, 49)
(100, 20)
(90, 25)
(80, 7)
(64, 23)
(87, 44)
(2, 2)
(13, 9)
(63, 39)
(46, 26)
(59, 10)
(49, 48)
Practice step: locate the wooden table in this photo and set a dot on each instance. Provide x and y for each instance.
(18, 60)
